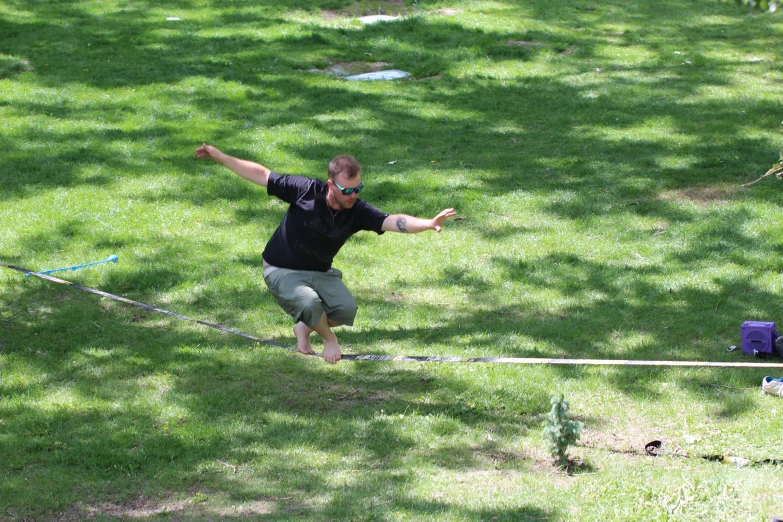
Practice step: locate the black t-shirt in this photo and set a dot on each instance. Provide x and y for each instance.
(309, 237)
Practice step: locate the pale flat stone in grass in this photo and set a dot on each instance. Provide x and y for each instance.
(343, 69)
(376, 18)
(392, 74)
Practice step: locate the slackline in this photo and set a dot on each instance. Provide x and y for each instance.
(412, 358)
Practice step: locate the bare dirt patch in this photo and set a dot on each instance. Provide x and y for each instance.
(702, 196)
(367, 8)
(257, 508)
(500, 458)
(138, 508)
(352, 395)
(171, 507)
(393, 298)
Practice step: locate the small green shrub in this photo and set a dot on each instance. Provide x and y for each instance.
(560, 431)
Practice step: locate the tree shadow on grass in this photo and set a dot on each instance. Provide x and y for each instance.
(197, 405)
(518, 157)
(512, 133)
(107, 395)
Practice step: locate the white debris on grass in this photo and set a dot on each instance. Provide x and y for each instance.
(376, 18)
(392, 74)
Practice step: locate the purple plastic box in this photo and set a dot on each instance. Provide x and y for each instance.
(758, 337)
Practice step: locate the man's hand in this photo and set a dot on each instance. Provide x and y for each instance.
(207, 151)
(413, 225)
(438, 220)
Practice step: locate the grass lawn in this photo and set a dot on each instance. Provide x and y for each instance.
(595, 153)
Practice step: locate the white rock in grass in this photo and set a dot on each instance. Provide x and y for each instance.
(376, 18)
(392, 74)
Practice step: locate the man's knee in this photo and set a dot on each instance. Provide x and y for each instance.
(350, 309)
(344, 313)
(308, 305)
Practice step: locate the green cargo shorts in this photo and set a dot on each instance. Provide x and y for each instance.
(306, 296)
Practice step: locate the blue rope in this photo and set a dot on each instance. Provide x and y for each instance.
(111, 259)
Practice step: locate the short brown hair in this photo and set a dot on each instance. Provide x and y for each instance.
(345, 165)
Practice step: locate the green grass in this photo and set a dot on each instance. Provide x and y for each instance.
(595, 153)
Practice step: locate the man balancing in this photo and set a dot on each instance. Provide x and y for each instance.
(298, 257)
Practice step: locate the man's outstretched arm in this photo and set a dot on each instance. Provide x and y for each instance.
(411, 225)
(248, 170)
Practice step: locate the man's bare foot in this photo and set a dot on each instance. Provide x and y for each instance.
(332, 351)
(302, 332)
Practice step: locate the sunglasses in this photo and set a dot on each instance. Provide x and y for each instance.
(349, 191)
